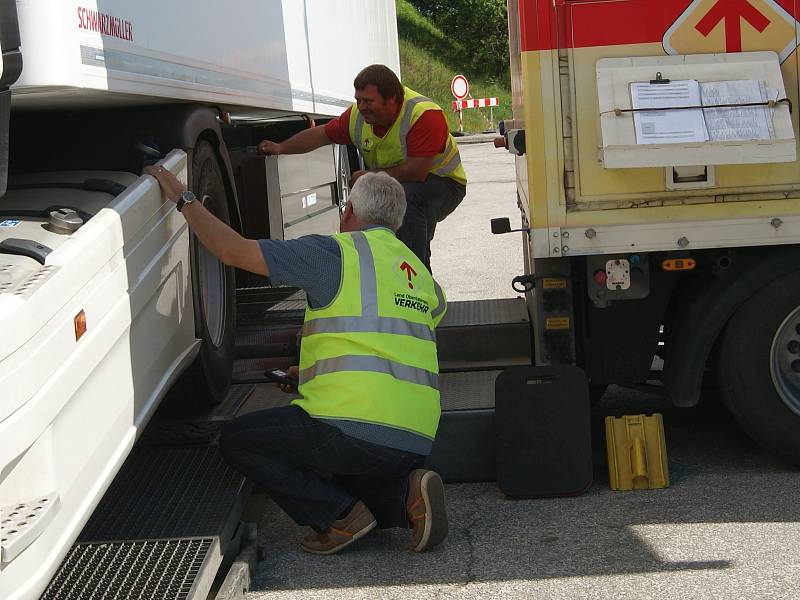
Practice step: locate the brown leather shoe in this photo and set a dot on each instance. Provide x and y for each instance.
(358, 523)
(426, 509)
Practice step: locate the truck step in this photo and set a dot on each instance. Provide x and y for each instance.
(23, 522)
(162, 530)
(481, 334)
(464, 449)
(144, 569)
(166, 492)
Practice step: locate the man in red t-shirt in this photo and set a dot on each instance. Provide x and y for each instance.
(429, 168)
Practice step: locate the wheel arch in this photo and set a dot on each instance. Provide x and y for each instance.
(193, 124)
(700, 314)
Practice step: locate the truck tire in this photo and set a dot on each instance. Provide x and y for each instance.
(207, 381)
(759, 366)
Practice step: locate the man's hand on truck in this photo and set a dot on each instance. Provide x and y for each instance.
(269, 148)
(170, 185)
(223, 242)
(300, 143)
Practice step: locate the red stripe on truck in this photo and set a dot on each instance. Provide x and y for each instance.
(551, 24)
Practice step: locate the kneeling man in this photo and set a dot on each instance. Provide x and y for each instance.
(348, 455)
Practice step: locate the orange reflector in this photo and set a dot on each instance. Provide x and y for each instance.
(678, 264)
(80, 325)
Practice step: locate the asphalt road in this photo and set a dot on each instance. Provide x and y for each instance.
(467, 260)
(727, 527)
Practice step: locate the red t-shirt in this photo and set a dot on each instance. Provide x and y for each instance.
(427, 137)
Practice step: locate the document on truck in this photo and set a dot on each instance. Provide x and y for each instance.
(668, 126)
(737, 123)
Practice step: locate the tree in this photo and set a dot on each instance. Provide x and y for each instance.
(481, 26)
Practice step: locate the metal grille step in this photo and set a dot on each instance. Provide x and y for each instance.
(126, 570)
(166, 492)
(160, 531)
(478, 334)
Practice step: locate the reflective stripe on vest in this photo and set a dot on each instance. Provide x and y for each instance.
(367, 357)
(371, 325)
(393, 143)
(438, 312)
(449, 165)
(372, 364)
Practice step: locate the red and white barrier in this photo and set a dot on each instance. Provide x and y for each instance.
(474, 103)
(460, 105)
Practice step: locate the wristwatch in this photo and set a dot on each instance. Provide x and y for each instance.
(186, 197)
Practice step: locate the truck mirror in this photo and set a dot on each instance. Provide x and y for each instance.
(501, 225)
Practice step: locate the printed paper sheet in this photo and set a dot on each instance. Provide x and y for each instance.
(668, 126)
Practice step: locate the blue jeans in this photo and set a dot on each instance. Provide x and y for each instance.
(427, 203)
(313, 471)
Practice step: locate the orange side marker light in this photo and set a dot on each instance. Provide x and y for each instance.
(678, 264)
(80, 325)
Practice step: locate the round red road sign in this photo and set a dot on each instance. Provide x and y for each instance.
(460, 87)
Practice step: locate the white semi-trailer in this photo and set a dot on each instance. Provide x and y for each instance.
(106, 303)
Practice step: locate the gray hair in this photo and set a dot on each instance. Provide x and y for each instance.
(378, 199)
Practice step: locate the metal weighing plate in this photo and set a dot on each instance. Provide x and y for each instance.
(472, 390)
(480, 334)
(485, 312)
(264, 305)
(464, 449)
(229, 408)
(267, 340)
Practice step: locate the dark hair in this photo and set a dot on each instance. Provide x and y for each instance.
(383, 78)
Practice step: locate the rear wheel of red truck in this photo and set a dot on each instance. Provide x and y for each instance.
(760, 366)
(207, 380)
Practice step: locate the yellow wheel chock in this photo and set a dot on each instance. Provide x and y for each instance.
(637, 452)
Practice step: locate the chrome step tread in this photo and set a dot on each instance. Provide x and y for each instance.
(22, 523)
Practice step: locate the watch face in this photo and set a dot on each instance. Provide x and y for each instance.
(187, 196)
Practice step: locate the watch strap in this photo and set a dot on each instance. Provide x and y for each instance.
(185, 198)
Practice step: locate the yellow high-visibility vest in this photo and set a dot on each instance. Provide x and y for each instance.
(390, 150)
(370, 356)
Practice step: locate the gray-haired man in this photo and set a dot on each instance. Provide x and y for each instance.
(347, 456)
